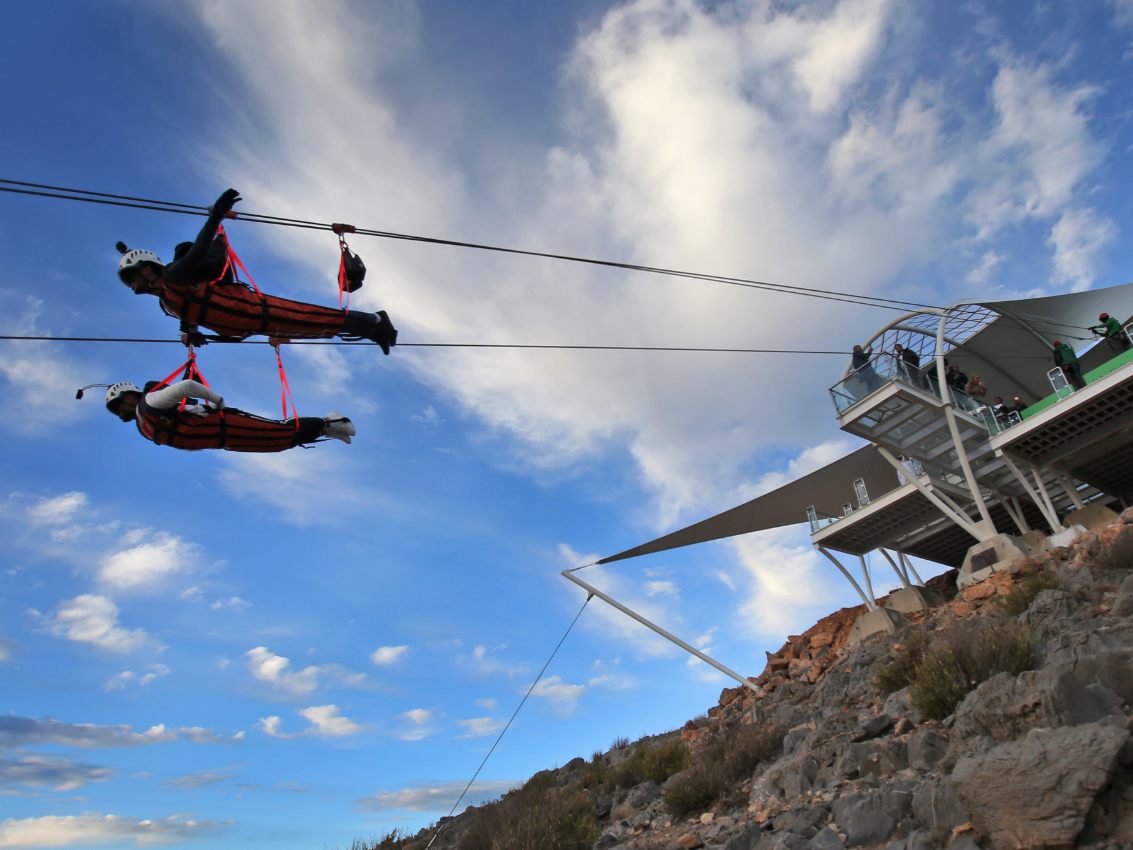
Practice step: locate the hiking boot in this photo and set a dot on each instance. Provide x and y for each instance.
(338, 427)
(385, 334)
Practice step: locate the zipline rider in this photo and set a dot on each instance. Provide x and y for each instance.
(170, 415)
(201, 289)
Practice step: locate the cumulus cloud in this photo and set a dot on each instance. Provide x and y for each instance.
(6, 648)
(17, 731)
(149, 563)
(284, 482)
(94, 829)
(58, 510)
(418, 722)
(59, 774)
(480, 727)
(38, 379)
(276, 670)
(432, 798)
(127, 677)
(562, 695)
(328, 721)
(90, 618)
(384, 656)
(324, 721)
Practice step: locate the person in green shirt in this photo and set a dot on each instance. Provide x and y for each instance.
(1110, 330)
(1067, 360)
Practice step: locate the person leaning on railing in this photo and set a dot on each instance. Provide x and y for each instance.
(1067, 361)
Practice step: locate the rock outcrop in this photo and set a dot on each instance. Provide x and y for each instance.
(1041, 759)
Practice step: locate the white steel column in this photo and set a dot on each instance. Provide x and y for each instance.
(909, 566)
(959, 518)
(1048, 512)
(901, 574)
(1043, 492)
(1071, 490)
(870, 603)
(987, 527)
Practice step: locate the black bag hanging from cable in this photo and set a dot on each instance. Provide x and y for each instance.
(351, 269)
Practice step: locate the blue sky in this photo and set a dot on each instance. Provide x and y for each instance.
(292, 651)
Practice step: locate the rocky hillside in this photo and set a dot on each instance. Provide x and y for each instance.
(998, 719)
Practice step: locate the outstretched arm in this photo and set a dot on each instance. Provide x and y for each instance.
(169, 397)
(196, 255)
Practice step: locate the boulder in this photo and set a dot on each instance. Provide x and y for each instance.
(1006, 707)
(1035, 792)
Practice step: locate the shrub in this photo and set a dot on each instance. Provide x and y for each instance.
(1118, 555)
(961, 659)
(390, 841)
(620, 743)
(727, 760)
(536, 815)
(1024, 593)
(902, 670)
(654, 761)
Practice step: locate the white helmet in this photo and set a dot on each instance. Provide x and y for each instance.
(115, 392)
(132, 259)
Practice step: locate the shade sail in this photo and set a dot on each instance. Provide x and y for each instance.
(827, 489)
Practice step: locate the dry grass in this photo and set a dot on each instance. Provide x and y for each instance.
(959, 660)
(727, 760)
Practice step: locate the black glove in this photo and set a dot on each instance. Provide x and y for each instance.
(226, 201)
(193, 338)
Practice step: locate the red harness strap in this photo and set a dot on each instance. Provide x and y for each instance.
(285, 389)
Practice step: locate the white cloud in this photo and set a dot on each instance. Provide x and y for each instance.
(270, 726)
(284, 482)
(480, 727)
(60, 774)
(725, 579)
(784, 582)
(276, 670)
(16, 731)
(428, 417)
(432, 798)
(328, 721)
(324, 721)
(94, 829)
(1078, 238)
(384, 656)
(232, 603)
(563, 695)
(93, 619)
(6, 647)
(58, 510)
(38, 378)
(418, 715)
(148, 565)
(661, 588)
(488, 703)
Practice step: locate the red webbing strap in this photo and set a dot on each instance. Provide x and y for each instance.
(233, 261)
(342, 272)
(285, 389)
(188, 372)
(192, 373)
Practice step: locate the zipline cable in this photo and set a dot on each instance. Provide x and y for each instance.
(564, 347)
(512, 718)
(88, 196)
(550, 347)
